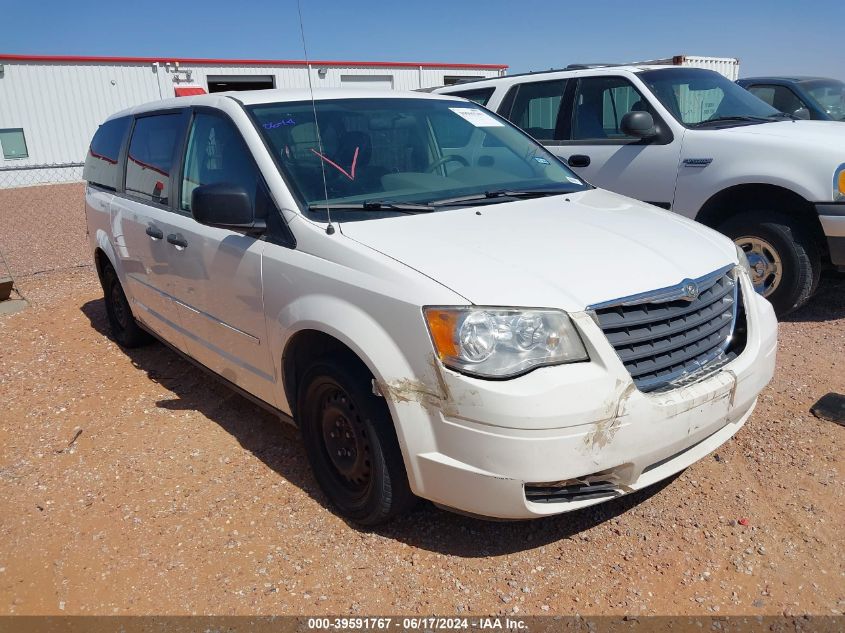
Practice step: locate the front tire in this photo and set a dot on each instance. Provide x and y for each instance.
(124, 329)
(785, 259)
(351, 443)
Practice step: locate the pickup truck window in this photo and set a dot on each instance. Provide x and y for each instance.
(536, 108)
(600, 104)
(779, 97)
(695, 96)
(830, 96)
(403, 151)
(480, 95)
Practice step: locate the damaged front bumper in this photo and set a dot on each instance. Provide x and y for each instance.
(566, 437)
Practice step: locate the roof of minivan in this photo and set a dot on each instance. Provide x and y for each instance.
(279, 95)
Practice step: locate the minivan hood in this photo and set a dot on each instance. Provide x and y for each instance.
(567, 251)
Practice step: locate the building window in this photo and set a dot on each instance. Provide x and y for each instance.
(451, 80)
(13, 143)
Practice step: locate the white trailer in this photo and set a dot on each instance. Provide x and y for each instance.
(727, 66)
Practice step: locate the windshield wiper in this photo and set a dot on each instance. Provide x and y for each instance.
(373, 205)
(738, 117)
(783, 115)
(499, 193)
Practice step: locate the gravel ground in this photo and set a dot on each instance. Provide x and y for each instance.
(132, 483)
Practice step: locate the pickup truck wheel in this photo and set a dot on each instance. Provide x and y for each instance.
(785, 260)
(124, 329)
(351, 444)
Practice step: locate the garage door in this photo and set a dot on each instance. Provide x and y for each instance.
(369, 82)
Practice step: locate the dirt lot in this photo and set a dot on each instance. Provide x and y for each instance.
(178, 496)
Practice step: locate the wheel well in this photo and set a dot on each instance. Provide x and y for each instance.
(100, 261)
(305, 346)
(760, 197)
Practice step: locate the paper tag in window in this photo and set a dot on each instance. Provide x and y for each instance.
(574, 181)
(479, 118)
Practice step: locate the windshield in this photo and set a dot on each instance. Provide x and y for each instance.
(695, 97)
(829, 95)
(386, 153)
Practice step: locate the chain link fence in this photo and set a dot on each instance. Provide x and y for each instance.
(28, 175)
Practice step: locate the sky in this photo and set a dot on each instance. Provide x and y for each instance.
(773, 37)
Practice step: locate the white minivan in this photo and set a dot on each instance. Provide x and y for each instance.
(690, 140)
(442, 307)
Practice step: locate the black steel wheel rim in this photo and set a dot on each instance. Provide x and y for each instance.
(345, 441)
(118, 306)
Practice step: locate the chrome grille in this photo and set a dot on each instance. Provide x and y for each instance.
(662, 337)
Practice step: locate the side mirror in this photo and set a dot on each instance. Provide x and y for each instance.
(225, 206)
(638, 125)
(802, 113)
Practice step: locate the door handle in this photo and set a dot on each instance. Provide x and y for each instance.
(154, 232)
(579, 160)
(177, 240)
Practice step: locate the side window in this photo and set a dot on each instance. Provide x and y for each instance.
(779, 97)
(537, 106)
(600, 104)
(765, 93)
(101, 161)
(481, 95)
(150, 158)
(216, 154)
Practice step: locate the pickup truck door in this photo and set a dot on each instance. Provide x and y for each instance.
(140, 215)
(581, 126)
(216, 272)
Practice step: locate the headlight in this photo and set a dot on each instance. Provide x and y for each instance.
(502, 342)
(743, 260)
(839, 184)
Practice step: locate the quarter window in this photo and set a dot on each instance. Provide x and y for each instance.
(101, 160)
(600, 104)
(537, 106)
(150, 158)
(216, 154)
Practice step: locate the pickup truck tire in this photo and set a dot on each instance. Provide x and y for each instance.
(124, 328)
(772, 238)
(351, 443)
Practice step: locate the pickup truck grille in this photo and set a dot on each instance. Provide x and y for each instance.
(665, 336)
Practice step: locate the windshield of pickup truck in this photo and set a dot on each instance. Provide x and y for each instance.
(405, 155)
(829, 95)
(703, 98)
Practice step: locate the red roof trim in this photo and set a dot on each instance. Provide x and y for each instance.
(244, 62)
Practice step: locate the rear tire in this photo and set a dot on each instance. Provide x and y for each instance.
(785, 259)
(124, 328)
(351, 443)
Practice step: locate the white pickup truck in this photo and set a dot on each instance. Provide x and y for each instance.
(689, 140)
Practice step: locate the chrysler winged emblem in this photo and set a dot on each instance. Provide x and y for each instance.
(690, 290)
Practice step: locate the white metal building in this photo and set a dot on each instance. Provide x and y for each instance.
(50, 106)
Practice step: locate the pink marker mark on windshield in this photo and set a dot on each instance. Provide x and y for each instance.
(349, 174)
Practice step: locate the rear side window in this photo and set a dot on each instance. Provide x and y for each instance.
(151, 154)
(537, 106)
(101, 162)
(481, 95)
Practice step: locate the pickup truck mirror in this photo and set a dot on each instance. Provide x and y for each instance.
(802, 113)
(638, 124)
(225, 206)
